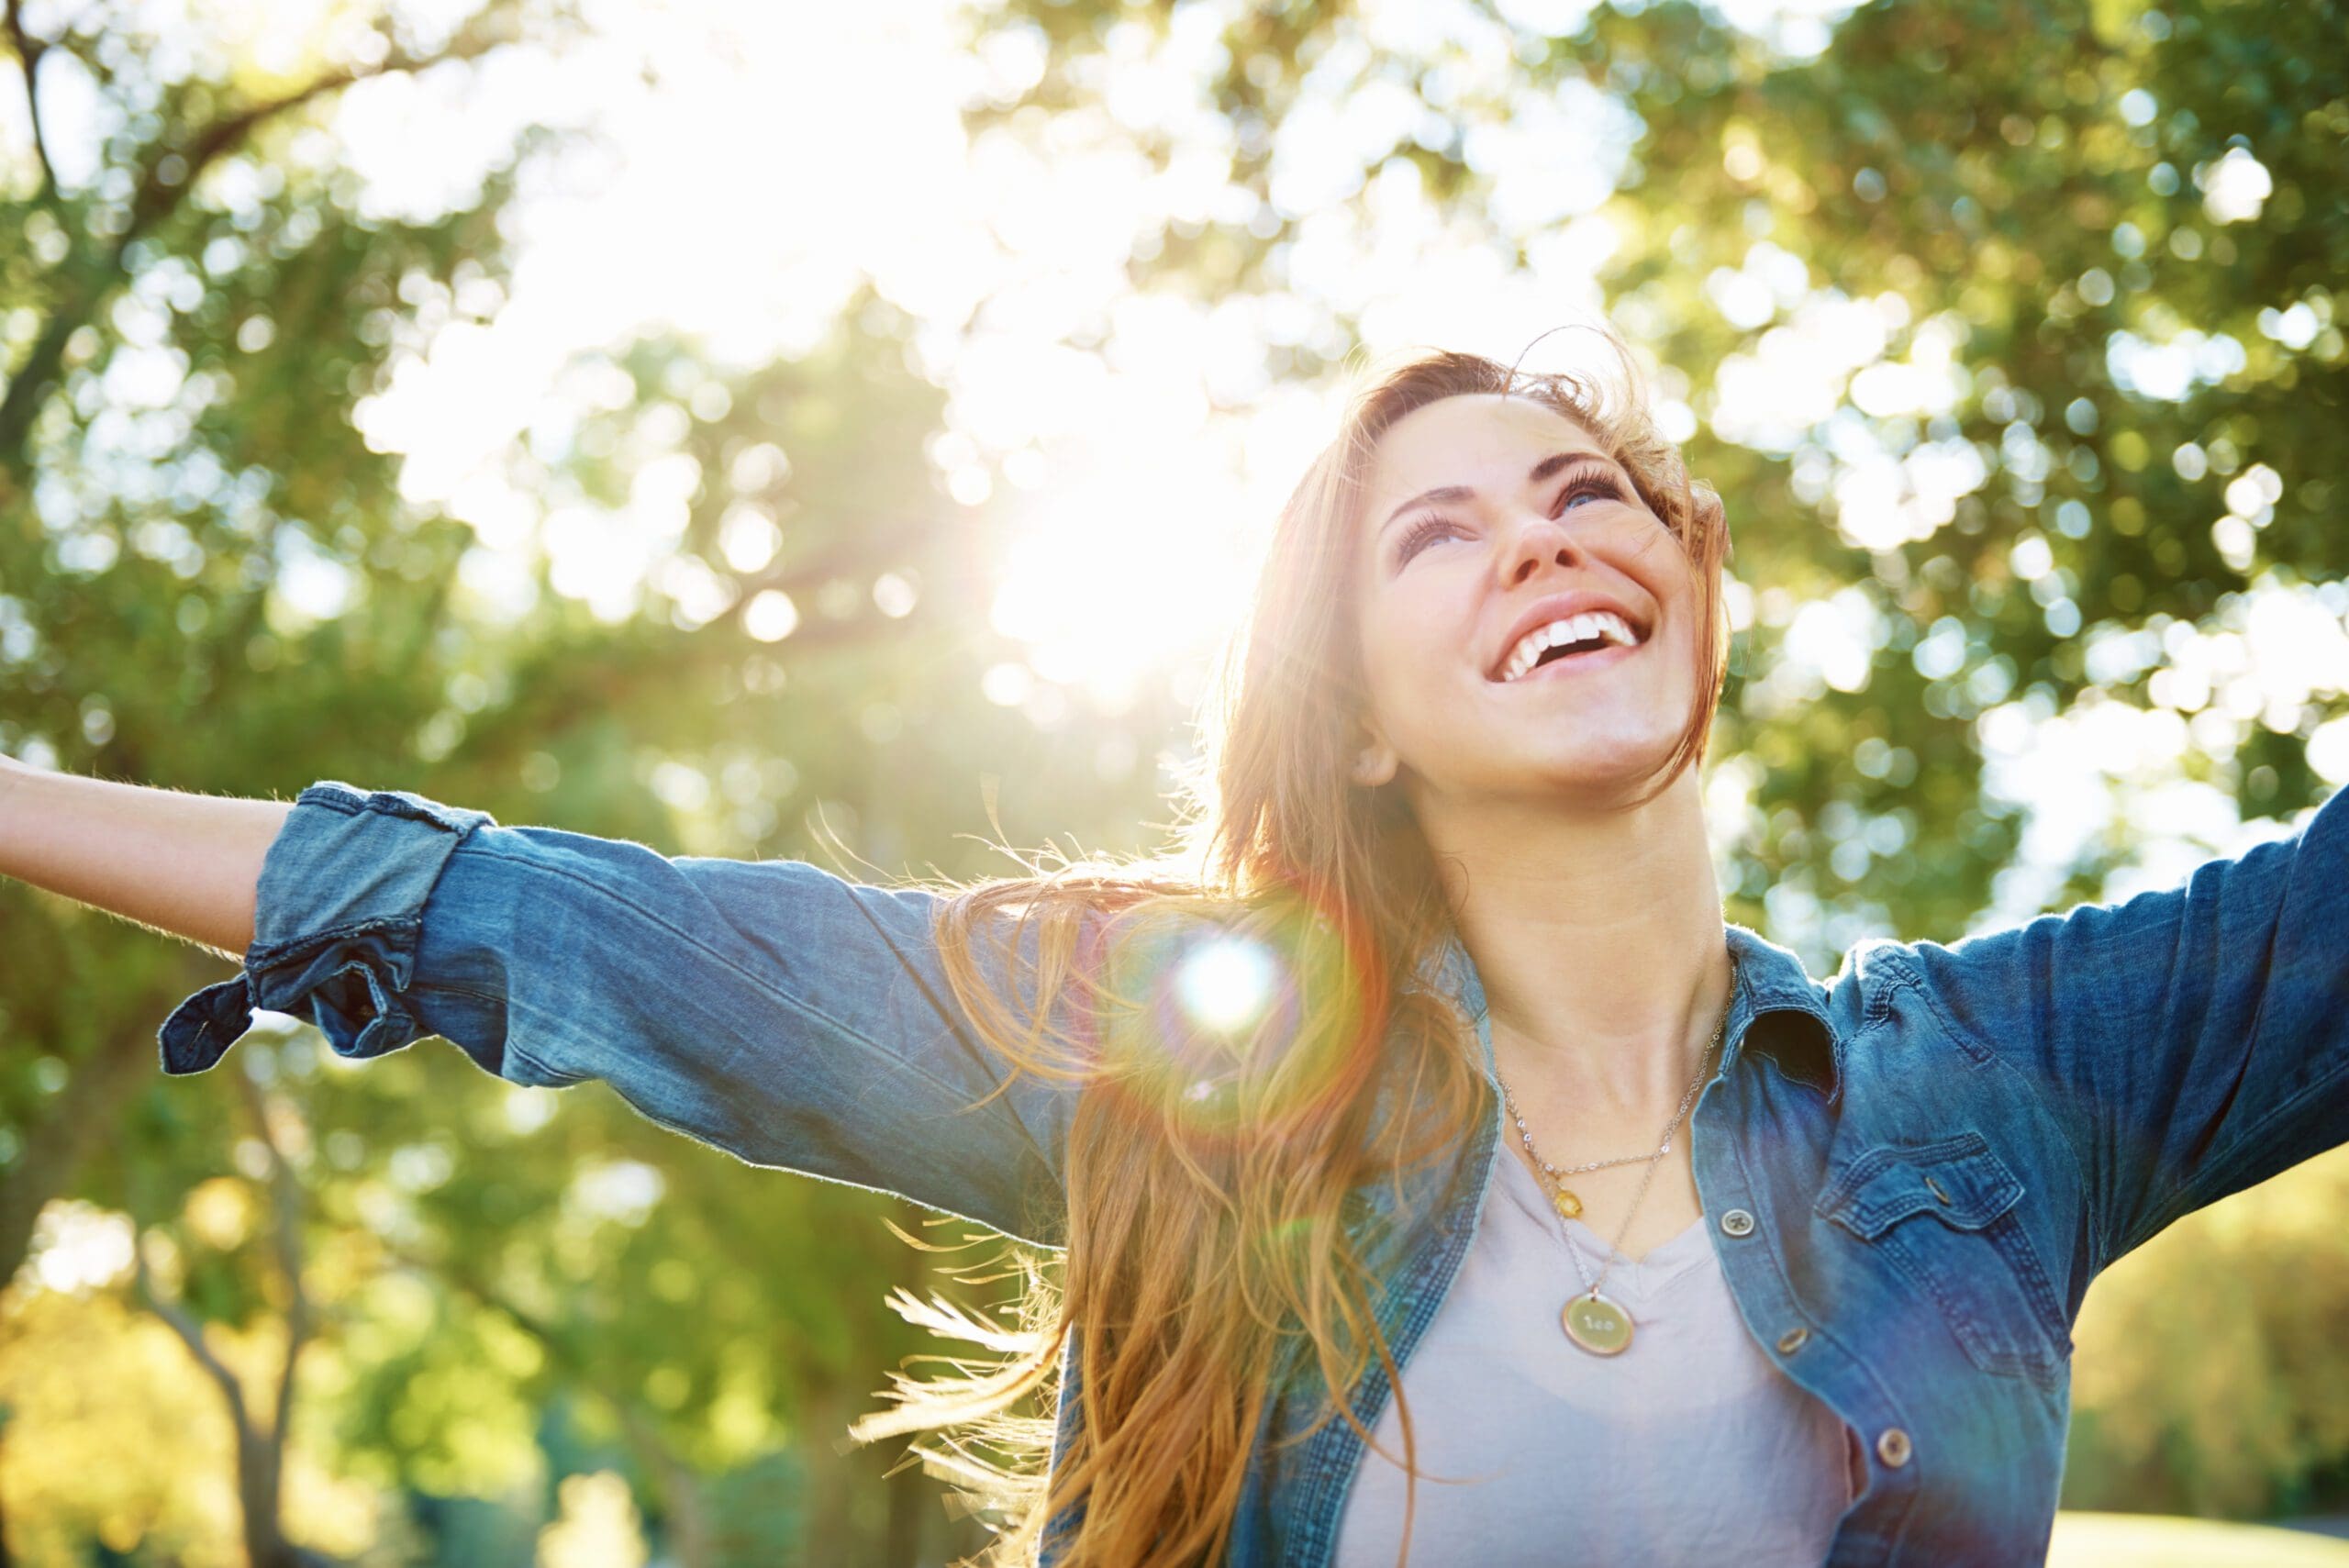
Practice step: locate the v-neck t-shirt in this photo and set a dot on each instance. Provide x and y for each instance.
(1691, 1446)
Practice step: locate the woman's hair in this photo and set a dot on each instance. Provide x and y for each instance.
(1213, 1163)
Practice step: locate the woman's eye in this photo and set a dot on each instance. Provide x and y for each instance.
(1418, 536)
(1593, 486)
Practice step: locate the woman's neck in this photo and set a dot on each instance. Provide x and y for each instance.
(1599, 940)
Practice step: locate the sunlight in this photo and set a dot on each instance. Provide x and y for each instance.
(598, 1526)
(79, 1247)
(1226, 985)
(1121, 574)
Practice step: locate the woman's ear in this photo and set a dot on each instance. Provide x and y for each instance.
(1376, 762)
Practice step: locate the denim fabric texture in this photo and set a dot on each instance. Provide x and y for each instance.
(1923, 1161)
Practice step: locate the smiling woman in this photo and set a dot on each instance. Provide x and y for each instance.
(1772, 1271)
(1367, 730)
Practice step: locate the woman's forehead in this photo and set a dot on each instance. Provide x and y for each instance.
(1485, 441)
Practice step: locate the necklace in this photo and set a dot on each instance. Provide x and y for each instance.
(1598, 1323)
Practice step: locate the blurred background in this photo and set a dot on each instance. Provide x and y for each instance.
(753, 428)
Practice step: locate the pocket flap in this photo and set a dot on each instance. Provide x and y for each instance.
(1960, 1181)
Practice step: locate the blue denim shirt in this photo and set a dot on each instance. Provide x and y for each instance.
(1910, 1173)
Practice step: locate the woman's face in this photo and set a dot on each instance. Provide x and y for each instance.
(1534, 526)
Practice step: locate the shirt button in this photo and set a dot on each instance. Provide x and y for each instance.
(1737, 1222)
(1792, 1340)
(1893, 1447)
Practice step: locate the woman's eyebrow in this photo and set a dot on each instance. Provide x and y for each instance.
(1444, 492)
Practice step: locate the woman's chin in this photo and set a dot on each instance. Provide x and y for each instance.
(1593, 772)
(1598, 773)
(1580, 784)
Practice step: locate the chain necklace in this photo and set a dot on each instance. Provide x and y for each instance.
(1598, 1323)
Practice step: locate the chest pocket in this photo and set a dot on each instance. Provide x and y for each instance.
(1942, 1214)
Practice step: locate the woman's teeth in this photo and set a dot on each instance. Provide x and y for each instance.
(1603, 625)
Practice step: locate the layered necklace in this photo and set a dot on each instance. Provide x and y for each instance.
(1598, 1323)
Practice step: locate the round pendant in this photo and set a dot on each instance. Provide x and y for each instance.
(1597, 1325)
(1568, 1205)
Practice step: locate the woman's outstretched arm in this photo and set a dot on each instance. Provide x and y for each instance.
(2193, 1041)
(188, 864)
(796, 1019)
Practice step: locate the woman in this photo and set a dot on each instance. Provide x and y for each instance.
(1772, 1267)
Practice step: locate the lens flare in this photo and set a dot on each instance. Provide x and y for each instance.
(1225, 983)
(1237, 1025)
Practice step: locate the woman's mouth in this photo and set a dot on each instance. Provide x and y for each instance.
(1589, 637)
(1568, 662)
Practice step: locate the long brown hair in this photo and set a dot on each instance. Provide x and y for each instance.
(1208, 1173)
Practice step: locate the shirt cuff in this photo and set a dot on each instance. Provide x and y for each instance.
(337, 913)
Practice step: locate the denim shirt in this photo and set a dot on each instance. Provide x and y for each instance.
(1910, 1172)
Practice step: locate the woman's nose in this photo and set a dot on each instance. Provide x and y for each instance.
(1540, 544)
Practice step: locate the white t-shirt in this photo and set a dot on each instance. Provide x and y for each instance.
(1691, 1446)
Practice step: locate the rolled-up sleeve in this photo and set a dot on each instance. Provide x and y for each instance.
(2193, 1041)
(796, 1019)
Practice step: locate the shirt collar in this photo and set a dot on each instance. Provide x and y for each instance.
(1777, 1009)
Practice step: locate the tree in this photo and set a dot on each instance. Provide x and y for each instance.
(165, 326)
(209, 311)
(261, 1448)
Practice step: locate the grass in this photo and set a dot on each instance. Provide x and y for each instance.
(2143, 1541)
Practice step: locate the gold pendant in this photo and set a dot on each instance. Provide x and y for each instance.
(1597, 1325)
(1568, 1205)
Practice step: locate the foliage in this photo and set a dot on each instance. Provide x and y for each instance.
(196, 442)
(2209, 1370)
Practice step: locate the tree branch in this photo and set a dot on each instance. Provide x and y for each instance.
(29, 52)
(580, 684)
(261, 1455)
(191, 1334)
(157, 199)
(285, 1236)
